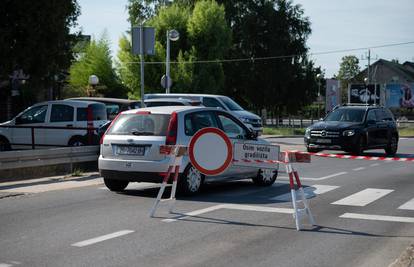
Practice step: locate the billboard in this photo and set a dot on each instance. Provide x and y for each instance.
(400, 95)
(333, 94)
(361, 93)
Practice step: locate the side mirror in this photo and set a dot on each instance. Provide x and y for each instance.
(252, 135)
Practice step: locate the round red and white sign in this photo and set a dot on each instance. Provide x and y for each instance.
(210, 151)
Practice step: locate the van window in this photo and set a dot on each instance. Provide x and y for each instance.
(231, 128)
(230, 103)
(33, 115)
(141, 124)
(199, 120)
(212, 103)
(61, 113)
(98, 113)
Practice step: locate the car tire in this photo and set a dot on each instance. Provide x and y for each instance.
(4, 144)
(263, 179)
(312, 150)
(115, 185)
(392, 147)
(358, 149)
(77, 141)
(190, 181)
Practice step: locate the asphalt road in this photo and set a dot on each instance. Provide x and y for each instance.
(364, 211)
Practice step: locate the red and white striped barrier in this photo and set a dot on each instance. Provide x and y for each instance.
(340, 156)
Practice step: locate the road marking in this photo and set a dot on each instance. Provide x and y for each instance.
(377, 217)
(374, 165)
(232, 207)
(101, 238)
(363, 197)
(53, 186)
(315, 179)
(359, 169)
(5, 265)
(310, 192)
(408, 205)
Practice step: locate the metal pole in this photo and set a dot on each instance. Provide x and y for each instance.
(141, 52)
(167, 65)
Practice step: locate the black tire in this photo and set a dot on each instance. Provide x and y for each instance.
(190, 181)
(264, 180)
(392, 147)
(77, 141)
(4, 144)
(358, 149)
(312, 150)
(115, 185)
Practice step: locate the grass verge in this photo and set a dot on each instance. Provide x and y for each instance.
(404, 132)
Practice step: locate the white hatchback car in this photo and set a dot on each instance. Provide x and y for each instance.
(130, 148)
(54, 123)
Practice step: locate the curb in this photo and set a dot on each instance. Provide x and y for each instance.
(267, 136)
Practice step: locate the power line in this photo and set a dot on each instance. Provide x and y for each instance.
(253, 59)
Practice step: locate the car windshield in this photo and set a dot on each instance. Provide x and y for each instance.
(348, 115)
(140, 124)
(230, 103)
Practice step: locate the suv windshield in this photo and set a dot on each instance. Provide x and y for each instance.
(230, 103)
(348, 115)
(141, 124)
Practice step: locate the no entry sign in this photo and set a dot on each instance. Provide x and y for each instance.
(210, 151)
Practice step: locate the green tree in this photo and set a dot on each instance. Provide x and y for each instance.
(348, 71)
(96, 59)
(35, 37)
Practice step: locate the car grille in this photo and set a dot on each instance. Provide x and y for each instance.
(323, 133)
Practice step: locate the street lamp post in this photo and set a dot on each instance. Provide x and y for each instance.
(93, 82)
(366, 81)
(172, 35)
(318, 76)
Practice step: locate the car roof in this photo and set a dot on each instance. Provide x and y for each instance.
(168, 100)
(69, 102)
(105, 99)
(167, 109)
(183, 95)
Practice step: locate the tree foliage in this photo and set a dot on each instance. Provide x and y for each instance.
(96, 60)
(348, 71)
(35, 37)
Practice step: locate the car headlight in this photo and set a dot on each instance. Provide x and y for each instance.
(307, 132)
(349, 133)
(245, 120)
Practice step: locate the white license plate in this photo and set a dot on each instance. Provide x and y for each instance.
(323, 141)
(131, 150)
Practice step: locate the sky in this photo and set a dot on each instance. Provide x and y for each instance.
(336, 25)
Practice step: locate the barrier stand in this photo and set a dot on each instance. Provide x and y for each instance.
(176, 154)
(298, 212)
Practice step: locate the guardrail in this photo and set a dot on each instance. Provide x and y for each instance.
(44, 157)
(89, 136)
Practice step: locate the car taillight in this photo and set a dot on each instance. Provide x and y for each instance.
(109, 127)
(171, 138)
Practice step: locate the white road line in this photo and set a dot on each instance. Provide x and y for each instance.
(5, 265)
(374, 165)
(363, 197)
(101, 238)
(311, 191)
(232, 207)
(359, 169)
(377, 217)
(315, 179)
(40, 188)
(408, 205)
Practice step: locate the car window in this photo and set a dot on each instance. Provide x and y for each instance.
(212, 102)
(141, 124)
(345, 114)
(230, 103)
(33, 115)
(231, 128)
(371, 116)
(112, 110)
(61, 113)
(198, 120)
(98, 113)
(387, 115)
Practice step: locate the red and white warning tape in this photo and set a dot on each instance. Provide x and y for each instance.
(339, 156)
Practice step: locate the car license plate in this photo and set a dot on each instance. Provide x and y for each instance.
(323, 141)
(131, 150)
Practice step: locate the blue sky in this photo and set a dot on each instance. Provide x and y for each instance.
(336, 25)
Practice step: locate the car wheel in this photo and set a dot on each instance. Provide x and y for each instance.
(77, 141)
(4, 144)
(265, 177)
(358, 149)
(312, 150)
(392, 147)
(190, 181)
(115, 185)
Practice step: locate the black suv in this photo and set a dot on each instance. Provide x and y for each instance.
(354, 128)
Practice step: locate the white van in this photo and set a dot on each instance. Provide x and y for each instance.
(60, 113)
(219, 101)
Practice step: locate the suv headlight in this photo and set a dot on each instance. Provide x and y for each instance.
(307, 132)
(349, 133)
(245, 120)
